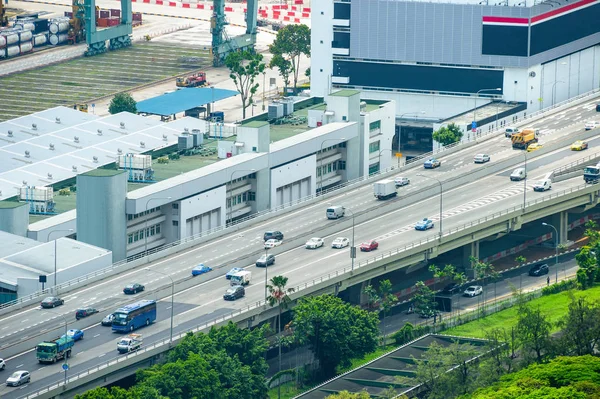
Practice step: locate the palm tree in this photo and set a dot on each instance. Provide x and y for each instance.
(279, 295)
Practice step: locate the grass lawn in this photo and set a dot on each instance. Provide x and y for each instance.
(554, 306)
(288, 391)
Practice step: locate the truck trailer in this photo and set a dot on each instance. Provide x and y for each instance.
(51, 351)
(384, 189)
(129, 343)
(591, 174)
(241, 278)
(522, 139)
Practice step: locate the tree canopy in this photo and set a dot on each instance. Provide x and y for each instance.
(291, 43)
(244, 68)
(448, 134)
(122, 102)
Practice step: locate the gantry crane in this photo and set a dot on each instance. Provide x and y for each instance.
(222, 44)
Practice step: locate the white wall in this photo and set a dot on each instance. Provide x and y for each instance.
(321, 65)
(305, 168)
(202, 204)
(514, 91)
(385, 114)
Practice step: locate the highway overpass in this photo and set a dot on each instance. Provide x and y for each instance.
(471, 192)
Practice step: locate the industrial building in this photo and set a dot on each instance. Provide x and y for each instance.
(126, 183)
(440, 59)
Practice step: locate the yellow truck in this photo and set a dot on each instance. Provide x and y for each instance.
(525, 137)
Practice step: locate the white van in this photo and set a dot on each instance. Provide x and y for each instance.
(542, 185)
(510, 131)
(518, 174)
(335, 212)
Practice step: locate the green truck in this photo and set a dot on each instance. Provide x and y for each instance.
(51, 351)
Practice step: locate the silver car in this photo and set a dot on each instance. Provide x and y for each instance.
(481, 158)
(18, 378)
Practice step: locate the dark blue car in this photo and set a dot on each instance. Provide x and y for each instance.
(200, 269)
(424, 224)
(432, 163)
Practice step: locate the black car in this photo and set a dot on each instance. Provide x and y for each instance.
(597, 107)
(52, 302)
(275, 235)
(85, 312)
(107, 321)
(265, 260)
(451, 289)
(133, 288)
(539, 269)
(233, 293)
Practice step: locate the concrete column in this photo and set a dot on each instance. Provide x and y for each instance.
(364, 299)
(469, 250)
(263, 190)
(561, 222)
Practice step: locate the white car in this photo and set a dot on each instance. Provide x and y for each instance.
(591, 125)
(18, 378)
(272, 243)
(315, 242)
(401, 181)
(481, 158)
(340, 242)
(473, 290)
(2, 364)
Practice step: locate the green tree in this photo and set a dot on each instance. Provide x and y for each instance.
(307, 72)
(438, 274)
(122, 102)
(389, 393)
(384, 297)
(291, 42)
(533, 330)
(335, 331)
(588, 269)
(244, 67)
(279, 295)
(499, 359)
(284, 66)
(447, 135)
(580, 327)
(424, 299)
(521, 260)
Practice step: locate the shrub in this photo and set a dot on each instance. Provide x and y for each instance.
(564, 285)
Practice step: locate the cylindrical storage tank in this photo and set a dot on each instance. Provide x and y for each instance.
(26, 47)
(25, 35)
(2, 41)
(57, 27)
(9, 51)
(40, 39)
(29, 25)
(58, 39)
(11, 38)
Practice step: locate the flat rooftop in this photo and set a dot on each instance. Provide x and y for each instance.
(483, 112)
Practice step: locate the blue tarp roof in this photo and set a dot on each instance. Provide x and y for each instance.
(182, 100)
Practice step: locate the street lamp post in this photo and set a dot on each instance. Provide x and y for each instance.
(477, 94)
(441, 194)
(379, 160)
(55, 288)
(554, 92)
(266, 276)
(321, 160)
(263, 99)
(525, 183)
(146, 223)
(353, 249)
(65, 320)
(172, 297)
(231, 190)
(555, 249)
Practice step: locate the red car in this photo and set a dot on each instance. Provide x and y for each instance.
(369, 246)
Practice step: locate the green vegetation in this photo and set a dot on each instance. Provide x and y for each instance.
(122, 102)
(244, 68)
(447, 135)
(291, 43)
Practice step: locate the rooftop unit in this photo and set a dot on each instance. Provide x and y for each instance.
(40, 199)
(139, 167)
(276, 111)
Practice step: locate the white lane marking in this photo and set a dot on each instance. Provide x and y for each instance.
(96, 336)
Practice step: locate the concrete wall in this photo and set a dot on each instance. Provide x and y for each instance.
(15, 220)
(101, 218)
(293, 180)
(321, 65)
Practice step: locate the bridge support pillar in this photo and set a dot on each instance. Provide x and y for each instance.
(561, 222)
(469, 250)
(364, 298)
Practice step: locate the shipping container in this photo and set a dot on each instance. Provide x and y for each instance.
(33, 193)
(115, 13)
(104, 13)
(114, 21)
(136, 16)
(69, 14)
(102, 22)
(41, 25)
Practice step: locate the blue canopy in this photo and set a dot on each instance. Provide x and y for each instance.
(182, 100)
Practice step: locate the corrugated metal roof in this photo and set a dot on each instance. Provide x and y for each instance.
(182, 100)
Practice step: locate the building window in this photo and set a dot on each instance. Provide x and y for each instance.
(318, 171)
(252, 176)
(328, 168)
(175, 206)
(342, 144)
(374, 147)
(175, 223)
(239, 198)
(251, 196)
(152, 230)
(158, 229)
(245, 197)
(374, 125)
(373, 168)
(335, 166)
(342, 165)
(129, 217)
(141, 234)
(130, 238)
(136, 236)
(228, 203)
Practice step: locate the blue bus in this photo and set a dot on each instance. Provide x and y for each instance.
(133, 316)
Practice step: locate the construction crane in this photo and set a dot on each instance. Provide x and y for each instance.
(3, 19)
(117, 36)
(222, 44)
(76, 32)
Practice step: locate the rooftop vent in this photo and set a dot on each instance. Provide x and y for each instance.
(142, 144)
(119, 151)
(57, 119)
(50, 176)
(24, 182)
(122, 125)
(99, 132)
(76, 139)
(186, 130)
(95, 158)
(10, 133)
(165, 137)
(51, 147)
(33, 126)
(74, 168)
(27, 154)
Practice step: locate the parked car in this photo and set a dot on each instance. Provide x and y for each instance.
(2, 364)
(232, 272)
(277, 235)
(534, 147)
(591, 125)
(401, 181)
(432, 163)
(200, 269)
(314, 243)
(424, 224)
(510, 131)
(133, 288)
(52, 302)
(233, 293)
(74, 334)
(18, 378)
(539, 269)
(579, 145)
(451, 289)
(107, 321)
(542, 185)
(272, 243)
(340, 242)
(265, 260)
(369, 246)
(85, 312)
(473, 290)
(518, 174)
(481, 158)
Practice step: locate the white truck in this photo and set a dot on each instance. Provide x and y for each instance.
(384, 189)
(129, 343)
(241, 278)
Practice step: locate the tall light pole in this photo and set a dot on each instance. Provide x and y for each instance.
(321, 160)
(553, 91)
(379, 160)
(65, 320)
(263, 99)
(55, 288)
(556, 249)
(266, 277)
(353, 248)
(172, 297)
(477, 94)
(441, 194)
(525, 183)
(231, 190)
(146, 223)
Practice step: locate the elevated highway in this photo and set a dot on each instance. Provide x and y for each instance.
(476, 198)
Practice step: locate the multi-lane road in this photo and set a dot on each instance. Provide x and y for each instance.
(204, 302)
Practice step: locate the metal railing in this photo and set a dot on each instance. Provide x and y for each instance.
(301, 287)
(578, 162)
